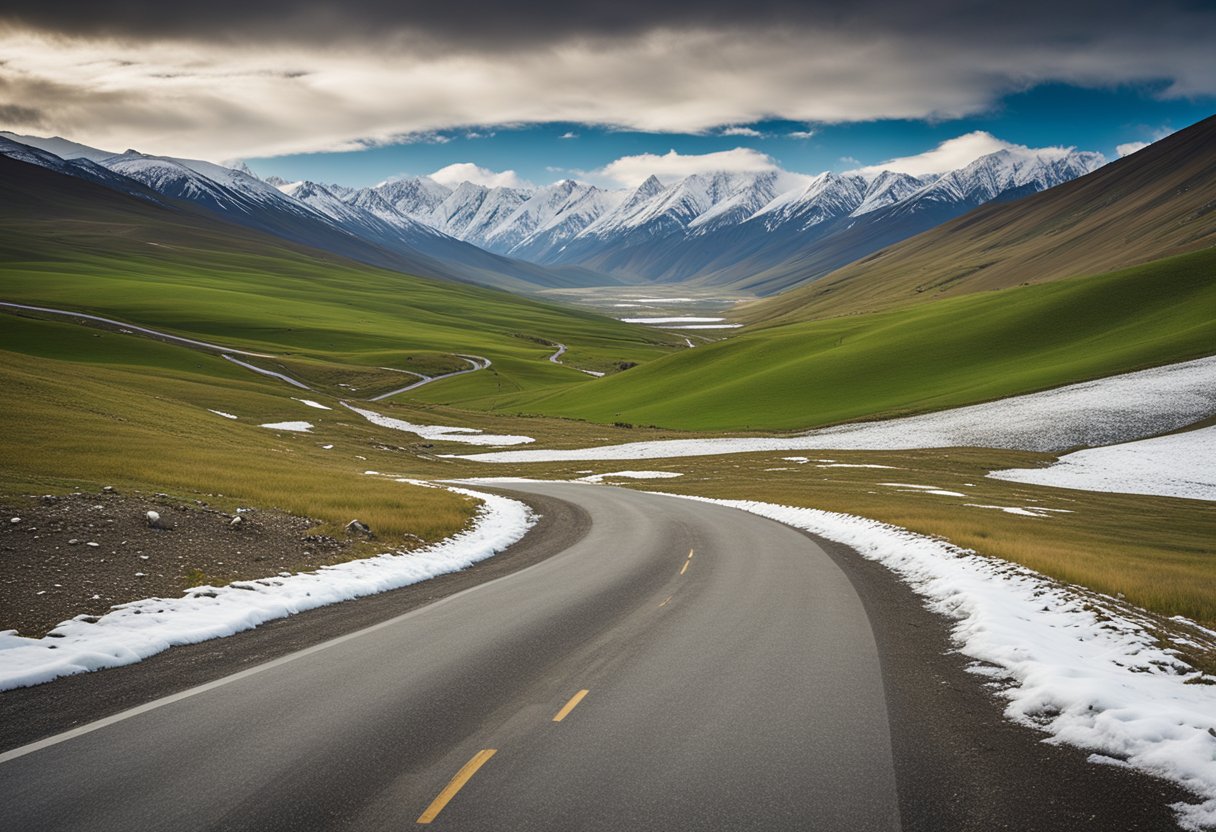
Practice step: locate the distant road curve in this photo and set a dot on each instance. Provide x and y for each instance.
(476, 362)
(207, 345)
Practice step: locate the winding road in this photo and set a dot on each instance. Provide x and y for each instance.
(675, 666)
(476, 362)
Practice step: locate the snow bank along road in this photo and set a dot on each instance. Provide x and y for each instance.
(683, 665)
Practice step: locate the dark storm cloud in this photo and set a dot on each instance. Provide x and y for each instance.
(231, 78)
(539, 22)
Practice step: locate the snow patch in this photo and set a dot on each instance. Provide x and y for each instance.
(311, 403)
(1102, 412)
(295, 427)
(633, 475)
(1180, 465)
(469, 436)
(221, 413)
(688, 319)
(131, 632)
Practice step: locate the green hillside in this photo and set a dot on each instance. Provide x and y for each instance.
(957, 351)
(67, 243)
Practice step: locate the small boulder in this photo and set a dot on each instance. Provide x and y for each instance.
(155, 521)
(359, 528)
(236, 522)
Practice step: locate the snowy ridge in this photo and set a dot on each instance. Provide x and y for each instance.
(540, 224)
(1077, 666)
(135, 631)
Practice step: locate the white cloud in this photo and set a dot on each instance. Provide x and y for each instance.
(568, 135)
(458, 172)
(953, 154)
(742, 131)
(1130, 147)
(223, 100)
(631, 171)
(801, 134)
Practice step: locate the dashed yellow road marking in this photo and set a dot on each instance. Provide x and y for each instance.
(684, 568)
(569, 706)
(456, 784)
(666, 601)
(690, 551)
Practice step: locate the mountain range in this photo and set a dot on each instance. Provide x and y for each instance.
(1155, 203)
(723, 228)
(759, 232)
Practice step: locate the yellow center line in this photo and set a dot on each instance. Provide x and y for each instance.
(666, 601)
(456, 784)
(569, 706)
(684, 568)
(690, 551)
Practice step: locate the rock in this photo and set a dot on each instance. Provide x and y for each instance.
(15, 520)
(155, 521)
(236, 522)
(359, 528)
(92, 544)
(109, 489)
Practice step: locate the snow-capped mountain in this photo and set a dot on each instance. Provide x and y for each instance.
(721, 227)
(415, 197)
(354, 223)
(760, 230)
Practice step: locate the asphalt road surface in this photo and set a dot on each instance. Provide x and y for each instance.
(681, 666)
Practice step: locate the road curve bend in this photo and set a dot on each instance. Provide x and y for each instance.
(683, 666)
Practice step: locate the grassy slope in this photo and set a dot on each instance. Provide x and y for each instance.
(958, 351)
(83, 408)
(70, 244)
(1149, 205)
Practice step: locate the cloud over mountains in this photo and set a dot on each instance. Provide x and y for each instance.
(226, 79)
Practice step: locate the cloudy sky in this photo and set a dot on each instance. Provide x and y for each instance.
(532, 91)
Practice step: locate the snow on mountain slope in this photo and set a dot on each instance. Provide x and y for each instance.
(1011, 169)
(826, 197)
(551, 216)
(416, 197)
(472, 212)
(60, 147)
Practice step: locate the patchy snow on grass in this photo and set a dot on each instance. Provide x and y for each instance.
(801, 460)
(311, 403)
(294, 427)
(1071, 664)
(854, 465)
(1102, 412)
(702, 326)
(131, 632)
(1019, 510)
(922, 489)
(469, 436)
(1179, 465)
(683, 319)
(632, 475)
(221, 413)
